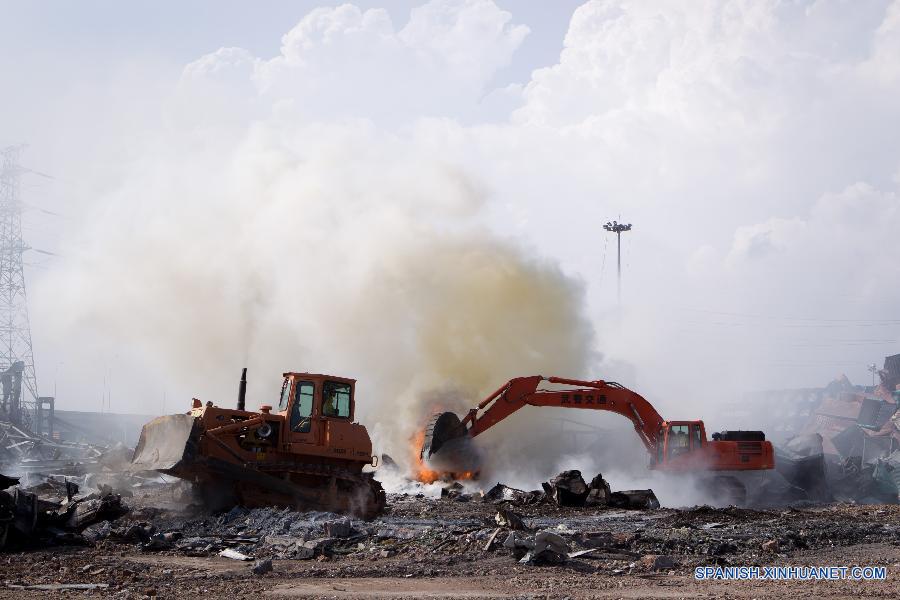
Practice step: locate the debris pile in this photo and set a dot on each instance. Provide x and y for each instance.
(569, 489)
(430, 538)
(25, 452)
(27, 520)
(835, 443)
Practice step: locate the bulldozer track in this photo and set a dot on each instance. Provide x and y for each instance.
(373, 495)
(308, 469)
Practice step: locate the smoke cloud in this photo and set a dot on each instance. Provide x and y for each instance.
(367, 200)
(332, 245)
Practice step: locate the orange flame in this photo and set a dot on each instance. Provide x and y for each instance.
(425, 475)
(421, 472)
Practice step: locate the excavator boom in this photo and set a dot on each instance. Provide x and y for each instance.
(594, 395)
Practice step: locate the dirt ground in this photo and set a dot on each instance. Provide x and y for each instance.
(436, 548)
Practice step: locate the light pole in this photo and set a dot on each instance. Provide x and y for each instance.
(618, 228)
(874, 369)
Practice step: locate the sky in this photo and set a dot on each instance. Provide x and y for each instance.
(413, 193)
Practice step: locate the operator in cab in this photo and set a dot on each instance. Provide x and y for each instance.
(329, 406)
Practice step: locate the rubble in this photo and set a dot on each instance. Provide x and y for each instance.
(505, 517)
(93, 509)
(547, 548)
(434, 538)
(599, 494)
(502, 493)
(834, 443)
(518, 544)
(28, 453)
(27, 520)
(340, 528)
(567, 489)
(657, 562)
(634, 499)
(261, 567)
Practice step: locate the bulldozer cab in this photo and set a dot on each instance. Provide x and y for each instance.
(308, 401)
(677, 440)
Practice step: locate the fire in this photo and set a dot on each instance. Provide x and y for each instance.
(425, 475)
(421, 472)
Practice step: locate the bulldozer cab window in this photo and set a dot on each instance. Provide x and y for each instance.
(303, 403)
(679, 442)
(285, 395)
(695, 437)
(336, 399)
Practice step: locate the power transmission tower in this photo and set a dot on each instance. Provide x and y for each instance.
(20, 398)
(618, 228)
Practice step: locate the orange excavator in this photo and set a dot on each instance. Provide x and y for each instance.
(674, 446)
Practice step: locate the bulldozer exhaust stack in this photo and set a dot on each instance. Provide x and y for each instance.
(242, 390)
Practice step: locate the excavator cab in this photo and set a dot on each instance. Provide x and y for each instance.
(677, 443)
(683, 446)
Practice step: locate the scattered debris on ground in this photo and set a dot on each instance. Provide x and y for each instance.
(185, 551)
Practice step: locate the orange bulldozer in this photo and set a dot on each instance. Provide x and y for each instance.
(307, 453)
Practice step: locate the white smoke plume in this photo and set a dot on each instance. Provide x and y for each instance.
(282, 242)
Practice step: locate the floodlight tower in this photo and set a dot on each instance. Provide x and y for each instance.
(618, 228)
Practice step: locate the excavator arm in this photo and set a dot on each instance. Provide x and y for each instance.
(593, 395)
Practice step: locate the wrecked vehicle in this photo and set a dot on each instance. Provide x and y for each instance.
(306, 454)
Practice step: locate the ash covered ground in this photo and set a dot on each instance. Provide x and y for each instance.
(503, 544)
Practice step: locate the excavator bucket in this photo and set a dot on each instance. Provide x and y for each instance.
(448, 449)
(164, 443)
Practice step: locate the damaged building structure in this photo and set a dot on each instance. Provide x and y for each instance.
(850, 433)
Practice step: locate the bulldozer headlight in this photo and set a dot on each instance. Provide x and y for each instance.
(264, 431)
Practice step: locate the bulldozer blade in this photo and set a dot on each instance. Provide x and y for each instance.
(163, 443)
(448, 448)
